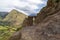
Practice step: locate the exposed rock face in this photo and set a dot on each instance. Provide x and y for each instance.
(28, 21)
(51, 8)
(48, 25)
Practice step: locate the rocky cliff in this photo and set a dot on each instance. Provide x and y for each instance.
(47, 24)
(51, 8)
(28, 21)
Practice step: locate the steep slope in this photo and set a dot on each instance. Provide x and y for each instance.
(51, 8)
(28, 21)
(47, 24)
(15, 18)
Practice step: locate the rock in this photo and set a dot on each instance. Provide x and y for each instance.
(47, 25)
(28, 21)
(46, 11)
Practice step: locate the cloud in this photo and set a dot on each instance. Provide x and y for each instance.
(27, 6)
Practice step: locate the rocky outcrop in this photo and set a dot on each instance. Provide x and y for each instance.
(47, 25)
(28, 21)
(51, 8)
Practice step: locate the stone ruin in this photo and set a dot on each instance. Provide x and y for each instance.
(30, 21)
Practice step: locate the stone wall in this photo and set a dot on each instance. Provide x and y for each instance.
(30, 21)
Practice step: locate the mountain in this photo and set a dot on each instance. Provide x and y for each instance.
(3, 14)
(15, 18)
(47, 24)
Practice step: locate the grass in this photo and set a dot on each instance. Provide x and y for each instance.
(6, 32)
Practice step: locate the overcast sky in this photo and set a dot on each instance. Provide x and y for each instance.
(29, 7)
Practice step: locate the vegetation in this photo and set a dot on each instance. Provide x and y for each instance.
(10, 24)
(6, 32)
(15, 18)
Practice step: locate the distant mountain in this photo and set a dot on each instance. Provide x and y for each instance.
(15, 18)
(3, 14)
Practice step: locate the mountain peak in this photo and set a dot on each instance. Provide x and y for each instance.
(15, 17)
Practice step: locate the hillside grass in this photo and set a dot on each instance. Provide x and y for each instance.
(7, 31)
(11, 23)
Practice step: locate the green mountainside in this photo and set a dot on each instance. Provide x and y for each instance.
(15, 18)
(10, 23)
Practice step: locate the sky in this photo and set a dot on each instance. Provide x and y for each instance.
(28, 7)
